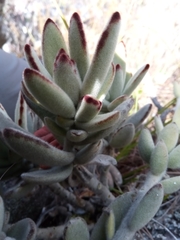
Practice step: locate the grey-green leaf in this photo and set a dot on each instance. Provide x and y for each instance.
(170, 135)
(76, 229)
(102, 59)
(147, 208)
(24, 229)
(52, 42)
(53, 175)
(36, 150)
(123, 136)
(52, 97)
(78, 44)
(171, 185)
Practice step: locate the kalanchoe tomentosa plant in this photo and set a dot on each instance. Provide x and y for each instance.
(84, 106)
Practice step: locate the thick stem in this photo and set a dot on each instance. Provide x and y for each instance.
(94, 184)
(71, 198)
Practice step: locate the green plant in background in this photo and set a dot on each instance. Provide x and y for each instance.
(85, 106)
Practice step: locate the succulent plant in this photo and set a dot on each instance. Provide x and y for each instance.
(79, 111)
(24, 229)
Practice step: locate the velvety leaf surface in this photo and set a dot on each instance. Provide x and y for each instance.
(36, 150)
(52, 97)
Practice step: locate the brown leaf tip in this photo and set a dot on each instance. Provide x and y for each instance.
(146, 67)
(118, 67)
(102, 40)
(93, 101)
(62, 57)
(49, 21)
(77, 18)
(30, 59)
(115, 17)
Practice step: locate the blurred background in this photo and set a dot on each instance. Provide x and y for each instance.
(150, 30)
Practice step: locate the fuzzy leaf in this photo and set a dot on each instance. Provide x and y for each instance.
(34, 61)
(52, 42)
(76, 229)
(122, 107)
(135, 80)
(21, 112)
(110, 225)
(104, 160)
(171, 185)
(100, 122)
(107, 83)
(36, 150)
(53, 175)
(78, 45)
(123, 136)
(94, 137)
(159, 159)
(64, 122)
(170, 135)
(75, 135)
(147, 208)
(116, 102)
(58, 132)
(24, 229)
(88, 109)
(118, 60)
(145, 145)
(118, 83)
(52, 97)
(66, 76)
(38, 109)
(2, 211)
(125, 200)
(88, 153)
(158, 124)
(6, 121)
(139, 117)
(102, 59)
(174, 158)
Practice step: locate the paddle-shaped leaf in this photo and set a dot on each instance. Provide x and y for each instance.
(21, 112)
(123, 136)
(174, 159)
(78, 45)
(147, 208)
(52, 42)
(53, 175)
(100, 122)
(87, 153)
(102, 59)
(34, 61)
(88, 109)
(170, 135)
(171, 185)
(66, 76)
(140, 115)
(52, 97)
(118, 83)
(36, 150)
(107, 83)
(159, 159)
(135, 80)
(24, 229)
(145, 145)
(116, 102)
(76, 228)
